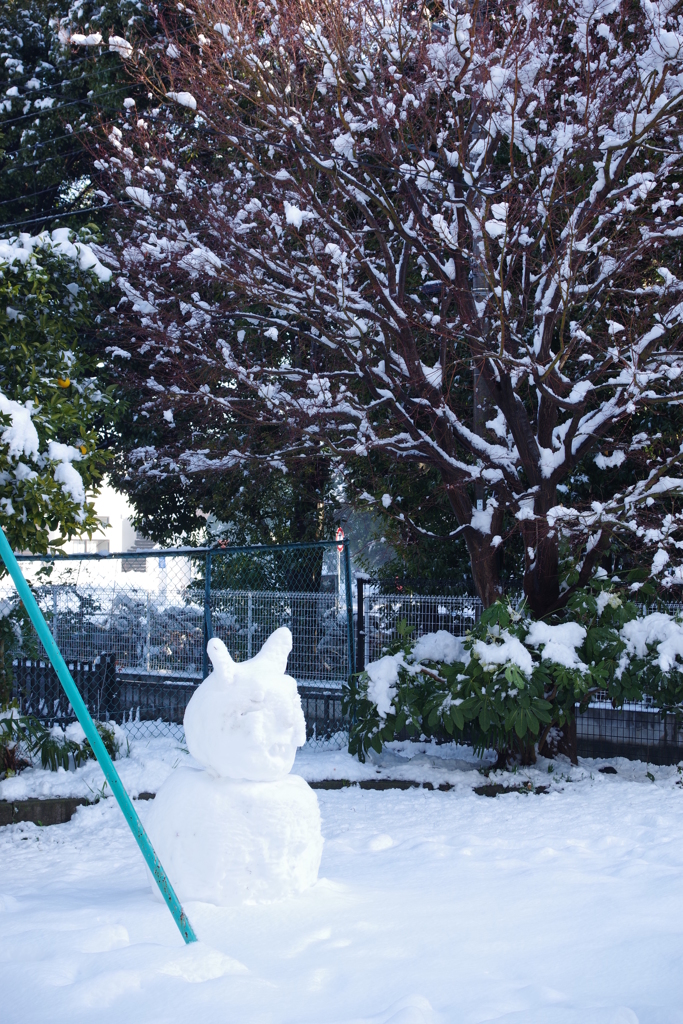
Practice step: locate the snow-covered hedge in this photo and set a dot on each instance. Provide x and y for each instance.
(513, 679)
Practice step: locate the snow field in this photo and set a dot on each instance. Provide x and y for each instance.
(431, 907)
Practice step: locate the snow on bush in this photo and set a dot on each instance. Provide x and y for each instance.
(50, 403)
(26, 740)
(24, 248)
(657, 633)
(512, 680)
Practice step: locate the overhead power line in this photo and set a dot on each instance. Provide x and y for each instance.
(16, 79)
(54, 110)
(76, 213)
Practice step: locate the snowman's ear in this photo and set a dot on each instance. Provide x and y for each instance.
(276, 650)
(220, 659)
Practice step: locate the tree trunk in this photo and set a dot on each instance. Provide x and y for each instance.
(560, 741)
(5, 688)
(568, 741)
(484, 559)
(541, 578)
(484, 562)
(541, 557)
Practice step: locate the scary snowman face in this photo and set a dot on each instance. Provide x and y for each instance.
(245, 720)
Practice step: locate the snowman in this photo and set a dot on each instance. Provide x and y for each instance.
(240, 829)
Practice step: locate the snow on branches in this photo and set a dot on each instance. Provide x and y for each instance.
(450, 234)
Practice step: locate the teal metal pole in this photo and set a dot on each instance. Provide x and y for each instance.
(99, 749)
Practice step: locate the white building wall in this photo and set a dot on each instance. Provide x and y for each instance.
(116, 535)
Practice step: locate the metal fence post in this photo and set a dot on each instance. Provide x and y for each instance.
(250, 621)
(208, 631)
(148, 638)
(349, 605)
(360, 628)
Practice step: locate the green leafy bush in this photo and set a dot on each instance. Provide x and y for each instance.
(24, 739)
(52, 407)
(513, 680)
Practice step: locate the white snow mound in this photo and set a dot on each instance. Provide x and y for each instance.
(245, 720)
(232, 841)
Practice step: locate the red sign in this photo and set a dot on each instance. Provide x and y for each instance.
(340, 536)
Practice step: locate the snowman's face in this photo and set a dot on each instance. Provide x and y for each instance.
(245, 721)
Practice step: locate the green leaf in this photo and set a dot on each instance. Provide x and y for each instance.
(458, 718)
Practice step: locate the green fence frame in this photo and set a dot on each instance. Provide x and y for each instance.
(217, 550)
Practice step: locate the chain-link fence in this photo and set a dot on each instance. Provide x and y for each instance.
(134, 629)
(151, 614)
(379, 616)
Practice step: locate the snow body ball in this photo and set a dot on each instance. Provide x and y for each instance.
(245, 720)
(233, 841)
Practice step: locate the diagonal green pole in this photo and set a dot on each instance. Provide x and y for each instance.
(99, 749)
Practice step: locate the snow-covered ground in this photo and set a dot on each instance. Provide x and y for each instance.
(561, 908)
(147, 766)
(150, 761)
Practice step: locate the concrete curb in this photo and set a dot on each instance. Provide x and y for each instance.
(59, 810)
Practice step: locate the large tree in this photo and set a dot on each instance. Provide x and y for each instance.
(446, 233)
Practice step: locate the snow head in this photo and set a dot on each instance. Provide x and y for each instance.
(245, 720)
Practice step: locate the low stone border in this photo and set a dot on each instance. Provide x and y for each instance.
(491, 789)
(41, 812)
(52, 811)
(498, 789)
(58, 810)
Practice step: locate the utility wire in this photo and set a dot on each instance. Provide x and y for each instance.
(55, 216)
(26, 196)
(68, 135)
(76, 213)
(55, 67)
(54, 110)
(40, 163)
